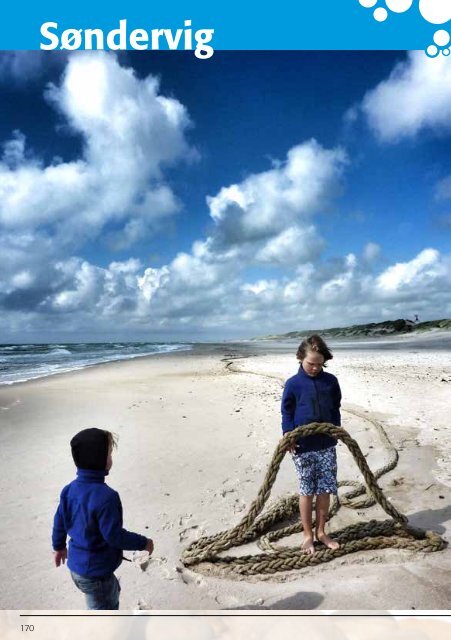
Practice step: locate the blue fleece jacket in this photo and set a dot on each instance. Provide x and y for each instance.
(311, 399)
(90, 512)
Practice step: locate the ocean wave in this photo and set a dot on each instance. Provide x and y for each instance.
(47, 359)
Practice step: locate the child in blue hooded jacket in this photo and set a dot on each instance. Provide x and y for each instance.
(90, 513)
(313, 395)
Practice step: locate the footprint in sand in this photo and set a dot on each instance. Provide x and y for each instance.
(227, 600)
(397, 481)
(187, 533)
(188, 578)
(224, 492)
(252, 469)
(185, 519)
(239, 506)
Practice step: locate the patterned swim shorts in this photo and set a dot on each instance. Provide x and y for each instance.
(316, 471)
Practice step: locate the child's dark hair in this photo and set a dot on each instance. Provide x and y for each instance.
(314, 343)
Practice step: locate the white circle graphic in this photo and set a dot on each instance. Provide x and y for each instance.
(435, 11)
(432, 51)
(446, 52)
(380, 14)
(399, 6)
(368, 3)
(441, 38)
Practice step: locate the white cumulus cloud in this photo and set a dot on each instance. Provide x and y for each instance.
(130, 133)
(227, 283)
(264, 204)
(416, 96)
(294, 245)
(24, 67)
(269, 214)
(425, 268)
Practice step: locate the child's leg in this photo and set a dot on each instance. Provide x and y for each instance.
(322, 511)
(112, 591)
(305, 509)
(326, 484)
(100, 593)
(303, 463)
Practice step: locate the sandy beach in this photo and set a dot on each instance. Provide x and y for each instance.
(196, 433)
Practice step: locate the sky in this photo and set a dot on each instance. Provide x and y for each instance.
(155, 196)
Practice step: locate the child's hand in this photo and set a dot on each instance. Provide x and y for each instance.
(60, 557)
(292, 446)
(149, 547)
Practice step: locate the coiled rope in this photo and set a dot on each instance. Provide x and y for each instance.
(392, 533)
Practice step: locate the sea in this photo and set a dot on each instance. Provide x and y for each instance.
(22, 362)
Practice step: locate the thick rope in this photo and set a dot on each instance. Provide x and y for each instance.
(394, 533)
(349, 498)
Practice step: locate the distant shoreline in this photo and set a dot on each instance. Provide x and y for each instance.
(376, 330)
(433, 340)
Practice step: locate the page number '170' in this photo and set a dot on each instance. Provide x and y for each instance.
(27, 627)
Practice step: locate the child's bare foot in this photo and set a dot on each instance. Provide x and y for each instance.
(328, 542)
(307, 546)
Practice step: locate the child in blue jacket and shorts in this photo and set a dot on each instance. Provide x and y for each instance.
(313, 395)
(90, 513)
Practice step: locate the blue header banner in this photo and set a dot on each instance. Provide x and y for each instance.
(285, 25)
